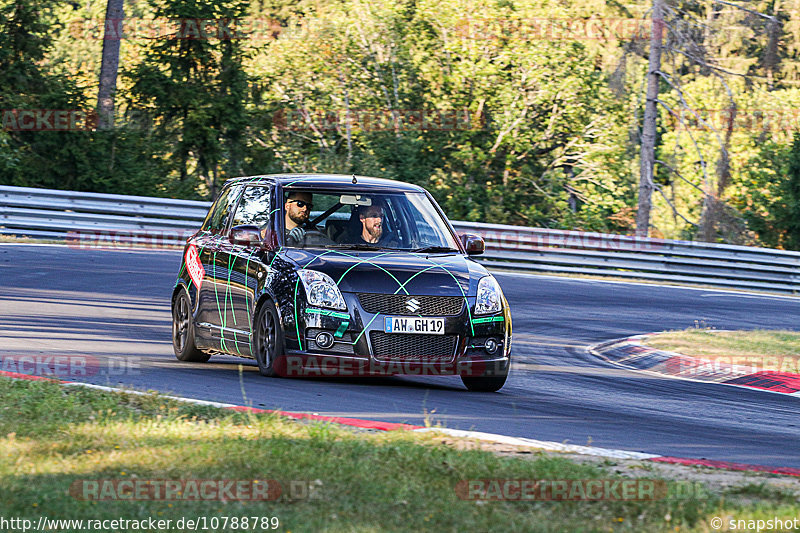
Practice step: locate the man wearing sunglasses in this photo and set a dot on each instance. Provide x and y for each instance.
(298, 206)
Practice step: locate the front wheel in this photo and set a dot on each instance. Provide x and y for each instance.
(183, 331)
(268, 341)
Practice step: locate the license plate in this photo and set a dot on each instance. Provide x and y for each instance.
(409, 324)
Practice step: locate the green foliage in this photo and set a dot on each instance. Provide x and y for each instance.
(193, 89)
(789, 214)
(548, 134)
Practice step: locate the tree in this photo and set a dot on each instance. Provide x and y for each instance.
(646, 183)
(110, 63)
(193, 89)
(690, 46)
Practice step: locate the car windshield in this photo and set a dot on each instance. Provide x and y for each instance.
(356, 220)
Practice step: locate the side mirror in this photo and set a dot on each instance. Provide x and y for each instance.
(246, 235)
(473, 244)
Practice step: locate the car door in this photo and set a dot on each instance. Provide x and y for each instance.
(213, 250)
(247, 266)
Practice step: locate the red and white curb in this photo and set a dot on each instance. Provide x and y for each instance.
(630, 353)
(476, 435)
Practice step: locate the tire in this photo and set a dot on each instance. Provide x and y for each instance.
(484, 384)
(267, 339)
(183, 331)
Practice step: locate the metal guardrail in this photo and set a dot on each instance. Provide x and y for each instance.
(89, 219)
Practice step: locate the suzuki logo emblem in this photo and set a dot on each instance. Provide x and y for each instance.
(413, 305)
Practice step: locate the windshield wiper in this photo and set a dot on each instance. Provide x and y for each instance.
(355, 246)
(433, 249)
(364, 247)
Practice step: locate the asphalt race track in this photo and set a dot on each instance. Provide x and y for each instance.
(114, 306)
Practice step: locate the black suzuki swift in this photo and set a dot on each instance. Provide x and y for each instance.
(324, 275)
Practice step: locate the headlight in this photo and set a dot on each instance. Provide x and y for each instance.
(321, 290)
(490, 297)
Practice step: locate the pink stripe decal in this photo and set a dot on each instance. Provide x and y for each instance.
(784, 470)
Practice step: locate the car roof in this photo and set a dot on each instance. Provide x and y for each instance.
(328, 181)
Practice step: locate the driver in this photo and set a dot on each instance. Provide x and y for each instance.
(298, 206)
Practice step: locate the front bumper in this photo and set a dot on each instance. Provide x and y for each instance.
(470, 346)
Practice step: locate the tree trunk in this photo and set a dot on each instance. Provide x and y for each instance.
(646, 184)
(110, 64)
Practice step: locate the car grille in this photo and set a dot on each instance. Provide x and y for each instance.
(412, 347)
(398, 304)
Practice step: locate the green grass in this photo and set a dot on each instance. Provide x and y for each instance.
(766, 349)
(52, 436)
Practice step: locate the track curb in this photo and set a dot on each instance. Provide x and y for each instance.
(632, 354)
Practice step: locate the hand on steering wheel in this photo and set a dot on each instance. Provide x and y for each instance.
(296, 235)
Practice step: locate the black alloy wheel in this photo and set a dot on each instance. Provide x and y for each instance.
(183, 331)
(268, 341)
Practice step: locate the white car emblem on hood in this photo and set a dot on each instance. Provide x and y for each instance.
(413, 305)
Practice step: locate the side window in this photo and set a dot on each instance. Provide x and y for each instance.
(255, 207)
(217, 218)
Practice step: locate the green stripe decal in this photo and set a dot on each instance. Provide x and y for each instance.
(488, 319)
(326, 312)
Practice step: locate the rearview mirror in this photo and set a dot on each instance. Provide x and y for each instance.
(354, 199)
(473, 244)
(246, 235)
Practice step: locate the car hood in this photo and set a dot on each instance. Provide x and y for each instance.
(385, 272)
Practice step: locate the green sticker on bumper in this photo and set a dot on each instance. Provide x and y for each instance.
(342, 329)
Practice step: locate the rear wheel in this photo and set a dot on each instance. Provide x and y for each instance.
(183, 331)
(268, 339)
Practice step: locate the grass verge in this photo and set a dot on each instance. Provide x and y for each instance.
(52, 437)
(765, 349)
